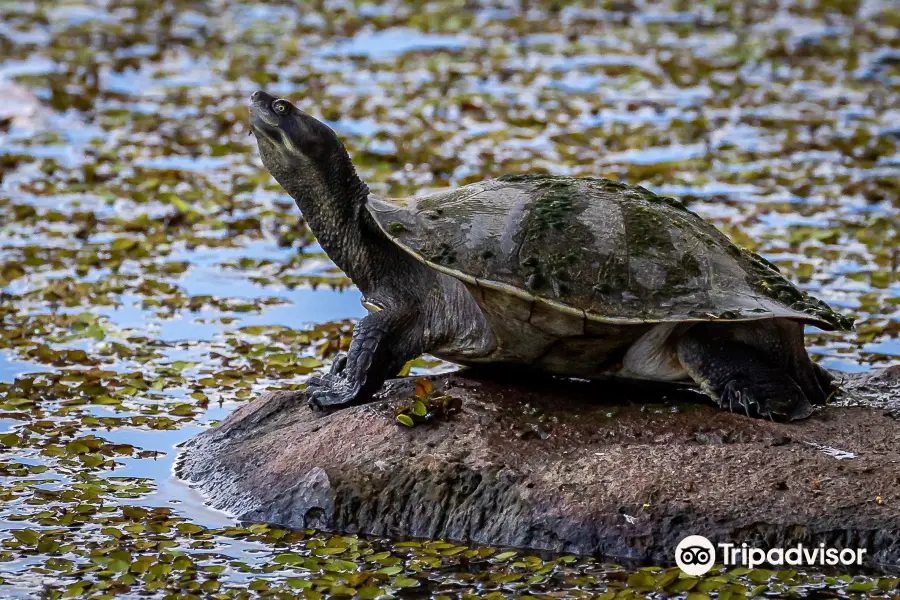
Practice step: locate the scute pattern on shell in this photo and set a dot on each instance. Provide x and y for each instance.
(616, 252)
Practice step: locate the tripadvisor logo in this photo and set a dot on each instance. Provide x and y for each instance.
(695, 555)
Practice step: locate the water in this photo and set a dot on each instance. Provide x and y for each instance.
(155, 277)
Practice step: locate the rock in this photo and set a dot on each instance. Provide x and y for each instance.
(623, 471)
(20, 108)
(874, 389)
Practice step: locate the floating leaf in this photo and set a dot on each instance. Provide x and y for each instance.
(29, 537)
(289, 558)
(419, 409)
(423, 387)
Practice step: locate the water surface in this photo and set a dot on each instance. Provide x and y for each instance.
(154, 277)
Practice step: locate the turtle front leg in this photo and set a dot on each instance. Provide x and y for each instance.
(382, 343)
(740, 378)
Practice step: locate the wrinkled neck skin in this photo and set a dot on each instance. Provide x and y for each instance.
(334, 205)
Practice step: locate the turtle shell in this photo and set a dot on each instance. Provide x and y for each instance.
(595, 248)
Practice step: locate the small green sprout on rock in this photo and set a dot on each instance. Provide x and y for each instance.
(427, 407)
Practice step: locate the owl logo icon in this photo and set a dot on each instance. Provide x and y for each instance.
(695, 555)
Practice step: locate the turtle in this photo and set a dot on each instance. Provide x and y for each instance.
(578, 277)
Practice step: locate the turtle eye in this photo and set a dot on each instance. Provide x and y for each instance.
(280, 107)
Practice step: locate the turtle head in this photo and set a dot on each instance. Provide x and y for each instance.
(309, 161)
(304, 155)
(290, 140)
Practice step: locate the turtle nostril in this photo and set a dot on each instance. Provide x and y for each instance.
(255, 96)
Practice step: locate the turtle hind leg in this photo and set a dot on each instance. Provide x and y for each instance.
(740, 378)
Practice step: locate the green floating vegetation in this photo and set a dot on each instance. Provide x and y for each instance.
(153, 276)
(427, 407)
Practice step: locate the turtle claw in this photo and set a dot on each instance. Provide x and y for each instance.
(757, 401)
(339, 363)
(331, 391)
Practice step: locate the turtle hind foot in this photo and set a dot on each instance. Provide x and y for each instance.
(741, 379)
(772, 397)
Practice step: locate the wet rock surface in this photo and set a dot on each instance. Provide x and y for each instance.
(617, 470)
